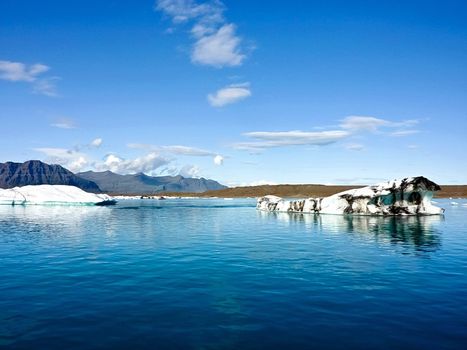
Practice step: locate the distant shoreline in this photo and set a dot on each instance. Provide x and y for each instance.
(295, 191)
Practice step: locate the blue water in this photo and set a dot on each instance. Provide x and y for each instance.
(209, 274)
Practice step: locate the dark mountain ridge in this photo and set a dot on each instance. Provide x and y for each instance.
(35, 172)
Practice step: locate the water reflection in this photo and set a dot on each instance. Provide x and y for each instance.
(419, 232)
(51, 221)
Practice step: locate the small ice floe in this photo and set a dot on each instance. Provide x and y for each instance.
(454, 203)
(52, 195)
(409, 196)
(126, 197)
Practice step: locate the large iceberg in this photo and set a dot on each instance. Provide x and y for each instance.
(409, 196)
(52, 195)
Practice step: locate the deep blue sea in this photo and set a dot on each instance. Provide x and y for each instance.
(217, 274)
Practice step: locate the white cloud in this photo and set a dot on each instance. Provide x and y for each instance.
(365, 123)
(72, 160)
(148, 164)
(219, 49)
(184, 10)
(215, 41)
(229, 94)
(355, 147)
(299, 137)
(190, 171)
(78, 164)
(64, 123)
(96, 142)
(152, 163)
(187, 151)
(21, 72)
(404, 132)
(218, 160)
(46, 87)
(290, 138)
(181, 151)
(349, 126)
(175, 149)
(17, 71)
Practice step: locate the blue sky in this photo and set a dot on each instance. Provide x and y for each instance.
(244, 92)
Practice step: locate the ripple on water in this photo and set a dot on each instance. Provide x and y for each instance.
(219, 274)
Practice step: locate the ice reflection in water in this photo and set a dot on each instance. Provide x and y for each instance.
(54, 220)
(418, 232)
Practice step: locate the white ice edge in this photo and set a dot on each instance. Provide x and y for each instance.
(408, 196)
(51, 195)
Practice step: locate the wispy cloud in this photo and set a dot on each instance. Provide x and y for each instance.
(349, 126)
(64, 123)
(175, 149)
(187, 151)
(70, 159)
(221, 48)
(153, 161)
(399, 133)
(366, 123)
(181, 151)
(355, 147)
(355, 123)
(74, 158)
(33, 74)
(17, 71)
(215, 40)
(96, 142)
(185, 10)
(269, 139)
(46, 86)
(229, 94)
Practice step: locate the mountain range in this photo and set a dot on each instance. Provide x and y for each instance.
(110, 182)
(35, 172)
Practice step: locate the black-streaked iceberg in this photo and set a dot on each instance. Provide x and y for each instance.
(409, 196)
(52, 195)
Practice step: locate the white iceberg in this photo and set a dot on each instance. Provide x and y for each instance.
(52, 195)
(409, 196)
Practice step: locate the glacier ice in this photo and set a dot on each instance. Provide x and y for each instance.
(52, 195)
(408, 196)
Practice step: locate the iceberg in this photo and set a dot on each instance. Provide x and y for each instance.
(52, 195)
(408, 196)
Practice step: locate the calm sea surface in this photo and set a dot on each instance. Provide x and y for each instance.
(209, 274)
